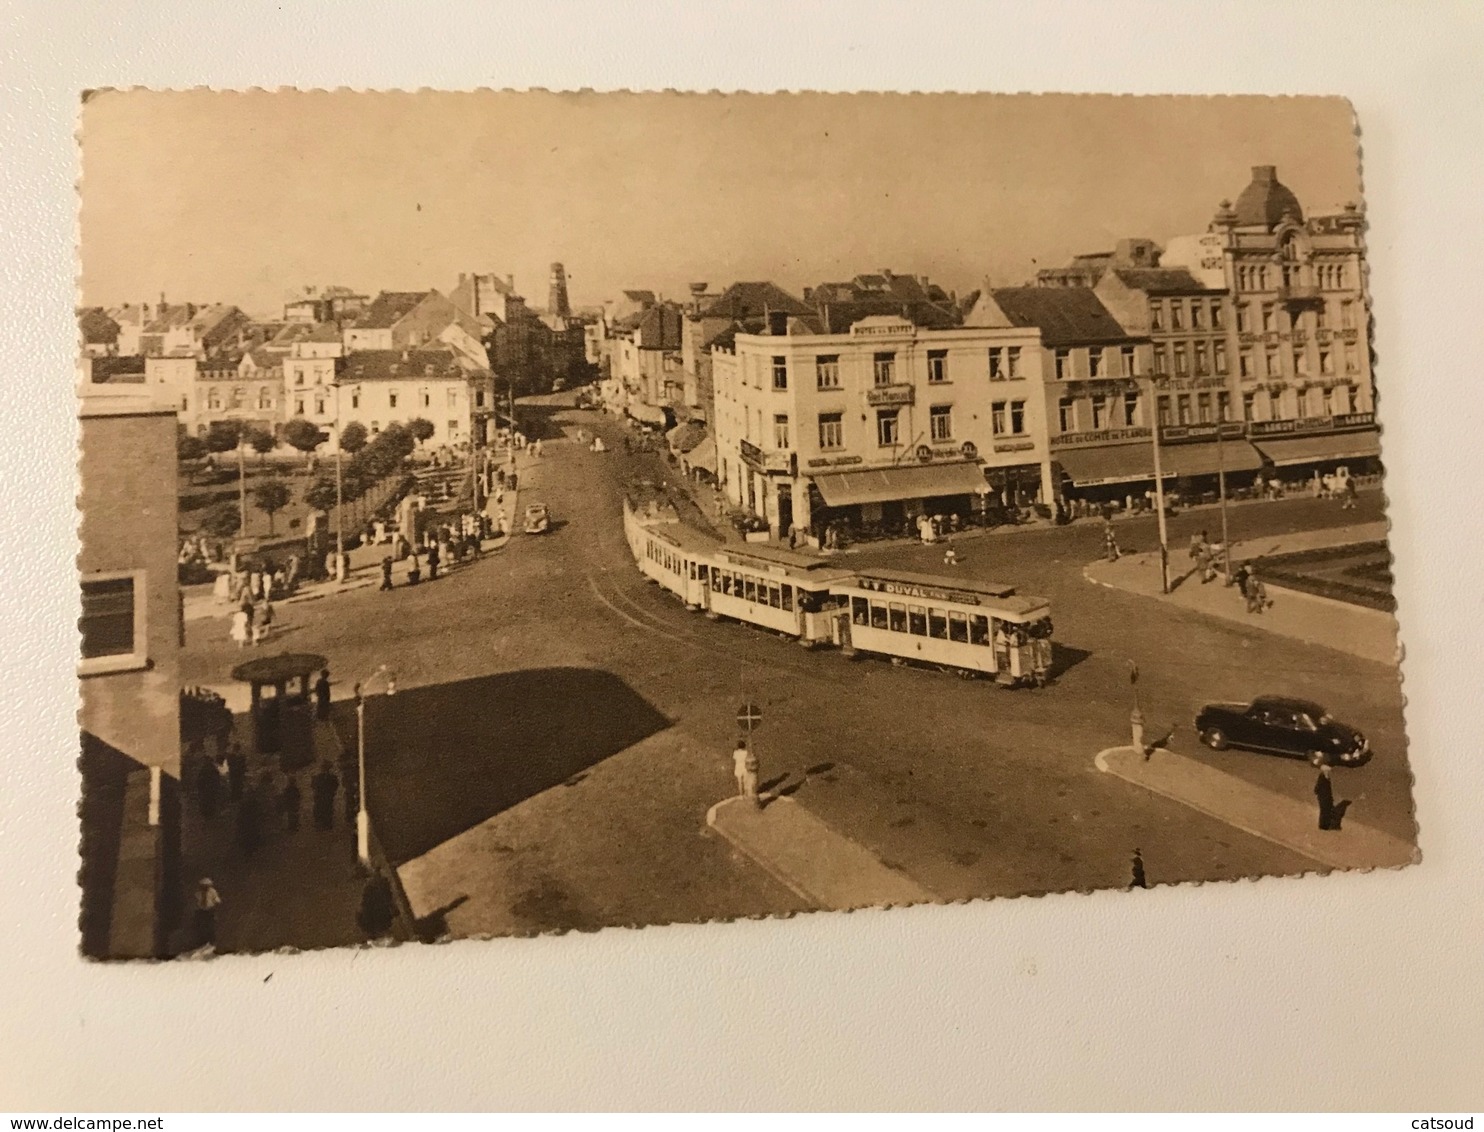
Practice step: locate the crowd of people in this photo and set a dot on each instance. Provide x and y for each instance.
(251, 590)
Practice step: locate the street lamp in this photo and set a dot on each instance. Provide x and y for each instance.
(339, 497)
(1159, 490)
(363, 816)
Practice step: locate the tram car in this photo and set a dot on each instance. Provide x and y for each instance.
(966, 627)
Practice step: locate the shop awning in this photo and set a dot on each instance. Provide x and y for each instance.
(703, 456)
(684, 437)
(883, 485)
(1117, 463)
(1289, 450)
(1203, 459)
(648, 414)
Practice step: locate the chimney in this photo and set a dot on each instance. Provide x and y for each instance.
(1265, 173)
(808, 294)
(510, 282)
(463, 278)
(162, 303)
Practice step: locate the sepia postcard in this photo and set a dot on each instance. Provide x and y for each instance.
(511, 513)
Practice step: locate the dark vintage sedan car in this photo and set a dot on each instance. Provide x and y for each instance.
(1283, 726)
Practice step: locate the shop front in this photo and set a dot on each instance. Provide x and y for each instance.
(886, 501)
(1193, 461)
(1346, 446)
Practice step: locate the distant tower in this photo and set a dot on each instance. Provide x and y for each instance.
(697, 293)
(557, 302)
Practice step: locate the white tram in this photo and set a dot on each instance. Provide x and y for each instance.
(972, 628)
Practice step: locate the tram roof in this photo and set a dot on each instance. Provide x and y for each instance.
(753, 553)
(993, 595)
(684, 538)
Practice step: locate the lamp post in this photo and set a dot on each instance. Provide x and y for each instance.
(242, 481)
(1159, 491)
(363, 816)
(1226, 546)
(339, 497)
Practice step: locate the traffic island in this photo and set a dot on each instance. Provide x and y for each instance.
(820, 866)
(1273, 817)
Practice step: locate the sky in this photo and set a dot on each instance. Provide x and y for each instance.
(249, 197)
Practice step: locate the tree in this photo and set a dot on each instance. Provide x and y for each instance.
(272, 497)
(304, 436)
(223, 436)
(263, 441)
(353, 437)
(189, 448)
(420, 428)
(222, 520)
(321, 493)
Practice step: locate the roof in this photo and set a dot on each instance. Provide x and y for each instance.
(684, 437)
(1065, 315)
(968, 585)
(1266, 201)
(659, 328)
(323, 332)
(126, 369)
(264, 358)
(1159, 279)
(389, 308)
(841, 305)
(751, 299)
(401, 365)
(639, 296)
(96, 326)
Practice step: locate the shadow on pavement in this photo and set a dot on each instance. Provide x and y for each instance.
(1064, 658)
(444, 758)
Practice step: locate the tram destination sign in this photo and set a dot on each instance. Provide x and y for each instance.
(907, 589)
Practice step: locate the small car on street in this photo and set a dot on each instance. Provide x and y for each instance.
(1283, 726)
(538, 519)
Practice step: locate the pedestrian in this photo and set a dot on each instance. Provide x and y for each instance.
(240, 628)
(414, 571)
(250, 824)
(1110, 541)
(433, 559)
(322, 695)
(1352, 496)
(1139, 879)
(1324, 794)
(744, 769)
(950, 556)
(289, 801)
(208, 900)
(208, 789)
(324, 785)
(537, 450)
(236, 764)
(386, 573)
(1196, 543)
(1257, 593)
(1239, 578)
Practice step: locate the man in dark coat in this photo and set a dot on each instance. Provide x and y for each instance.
(324, 784)
(208, 787)
(250, 823)
(386, 572)
(433, 560)
(322, 695)
(290, 799)
(1324, 793)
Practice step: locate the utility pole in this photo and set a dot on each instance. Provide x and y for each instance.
(242, 482)
(1226, 546)
(339, 497)
(1159, 492)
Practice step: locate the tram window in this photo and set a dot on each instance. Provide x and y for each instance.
(958, 627)
(775, 598)
(978, 629)
(917, 620)
(860, 611)
(726, 583)
(878, 615)
(937, 624)
(788, 597)
(703, 572)
(898, 618)
(716, 581)
(749, 588)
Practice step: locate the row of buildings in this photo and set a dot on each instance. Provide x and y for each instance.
(338, 356)
(870, 401)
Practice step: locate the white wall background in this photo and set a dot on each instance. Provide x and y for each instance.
(1357, 991)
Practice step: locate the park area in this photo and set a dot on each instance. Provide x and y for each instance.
(1359, 574)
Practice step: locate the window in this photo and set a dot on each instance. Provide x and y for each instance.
(1099, 412)
(917, 620)
(1275, 406)
(831, 430)
(298, 377)
(827, 371)
(319, 406)
(897, 617)
(937, 624)
(979, 629)
(1321, 316)
(1244, 320)
(1156, 316)
(1202, 362)
(887, 431)
(1301, 363)
(1269, 318)
(1244, 364)
(940, 422)
(453, 426)
(878, 615)
(1063, 364)
(1066, 413)
(1273, 368)
(1352, 360)
(1329, 403)
(885, 368)
(937, 366)
(997, 371)
(239, 395)
(479, 398)
(112, 622)
(213, 399)
(1095, 362)
(1218, 321)
(1130, 409)
(1346, 399)
(355, 400)
(391, 400)
(1203, 408)
(1347, 314)
(1164, 411)
(1197, 315)
(427, 399)
(1223, 406)
(298, 406)
(1183, 404)
(1326, 362)
(1249, 406)
(1182, 366)
(1177, 315)
(780, 373)
(453, 398)
(1012, 358)
(997, 418)
(1127, 353)
(780, 431)
(1161, 362)
(1017, 418)
(1220, 349)
(958, 627)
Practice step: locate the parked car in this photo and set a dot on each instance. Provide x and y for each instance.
(538, 519)
(1283, 726)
